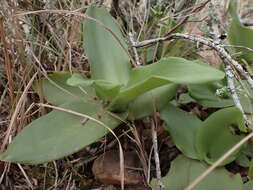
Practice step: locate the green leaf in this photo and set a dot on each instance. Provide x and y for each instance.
(165, 71)
(245, 94)
(248, 149)
(184, 170)
(183, 127)
(105, 48)
(157, 99)
(248, 186)
(59, 134)
(185, 98)
(104, 89)
(175, 69)
(240, 35)
(250, 172)
(56, 91)
(215, 137)
(243, 161)
(206, 95)
(249, 68)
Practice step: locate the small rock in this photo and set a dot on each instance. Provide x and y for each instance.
(106, 168)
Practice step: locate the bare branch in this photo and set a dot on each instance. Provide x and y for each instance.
(231, 87)
(242, 47)
(194, 10)
(137, 59)
(227, 59)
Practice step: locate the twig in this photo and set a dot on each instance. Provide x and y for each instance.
(6, 166)
(149, 162)
(156, 155)
(145, 19)
(242, 47)
(56, 175)
(141, 153)
(101, 2)
(227, 59)
(218, 162)
(247, 21)
(137, 59)
(3, 96)
(194, 10)
(247, 12)
(231, 87)
(26, 177)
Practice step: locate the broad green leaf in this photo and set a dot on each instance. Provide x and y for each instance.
(206, 95)
(185, 98)
(246, 102)
(175, 69)
(56, 91)
(157, 99)
(59, 134)
(104, 89)
(216, 95)
(148, 53)
(215, 136)
(245, 94)
(165, 71)
(184, 170)
(105, 48)
(248, 186)
(183, 127)
(240, 35)
(249, 68)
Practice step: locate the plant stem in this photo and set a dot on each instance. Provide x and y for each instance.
(156, 155)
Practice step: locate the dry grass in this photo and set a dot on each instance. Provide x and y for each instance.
(30, 44)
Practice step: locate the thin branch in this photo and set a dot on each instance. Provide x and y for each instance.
(137, 59)
(156, 155)
(231, 87)
(242, 47)
(26, 177)
(227, 59)
(6, 166)
(193, 11)
(247, 21)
